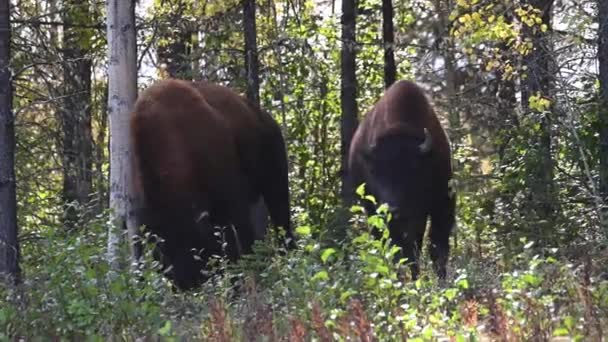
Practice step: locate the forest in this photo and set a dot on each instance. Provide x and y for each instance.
(520, 88)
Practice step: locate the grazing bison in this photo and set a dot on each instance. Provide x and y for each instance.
(403, 155)
(204, 157)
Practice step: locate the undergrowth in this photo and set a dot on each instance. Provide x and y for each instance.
(325, 291)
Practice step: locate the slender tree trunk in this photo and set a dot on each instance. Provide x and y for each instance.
(195, 55)
(122, 93)
(9, 245)
(100, 150)
(506, 93)
(280, 90)
(506, 105)
(76, 112)
(348, 94)
(251, 52)
(451, 91)
(603, 104)
(52, 16)
(390, 69)
(443, 9)
(539, 80)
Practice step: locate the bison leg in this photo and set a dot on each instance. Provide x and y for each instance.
(185, 240)
(240, 240)
(408, 235)
(274, 185)
(259, 217)
(442, 221)
(186, 269)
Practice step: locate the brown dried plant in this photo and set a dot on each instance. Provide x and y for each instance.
(298, 331)
(362, 324)
(318, 323)
(469, 312)
(498, 321)
(220, 329)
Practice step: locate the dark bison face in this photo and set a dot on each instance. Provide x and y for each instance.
(398, 172)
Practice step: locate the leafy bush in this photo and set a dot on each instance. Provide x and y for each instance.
(327, 291)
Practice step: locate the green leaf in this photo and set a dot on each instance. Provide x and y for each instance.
(303, 230)
(560, 332)
(166, 329)
(451, 293)
(375, 221)
(371, 199)
(382, 269)
(321, 276)
(345, 295)
(463, 284)
(327, 253)
(427, 333)
(531, 279)
(361, 190)
(357, 209)
(3, 315)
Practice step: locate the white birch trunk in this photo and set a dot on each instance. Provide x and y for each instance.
(122, 93)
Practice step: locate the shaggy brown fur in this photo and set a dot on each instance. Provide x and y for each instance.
(204, 157)
(403, 155)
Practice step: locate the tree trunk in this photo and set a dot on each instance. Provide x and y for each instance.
(442, 8)
(76, 111)
(122, 93)
(603, 104)
(9, 245)
(251, 52)
(539, 80)
(101, 185)
(443, 39)
(390, 69)
(195, 55)
(348, 95)
(505, 90)
(280, 90)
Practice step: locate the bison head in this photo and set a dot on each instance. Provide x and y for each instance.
(398, 170)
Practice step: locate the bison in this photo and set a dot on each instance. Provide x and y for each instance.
(204, 156)
(402, 154)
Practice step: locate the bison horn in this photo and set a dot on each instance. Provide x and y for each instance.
(426, 146)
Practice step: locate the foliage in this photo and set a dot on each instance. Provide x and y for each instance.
(322, 291)
(515, 274)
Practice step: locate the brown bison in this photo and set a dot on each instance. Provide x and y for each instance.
(206, 157)
(403, 155)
